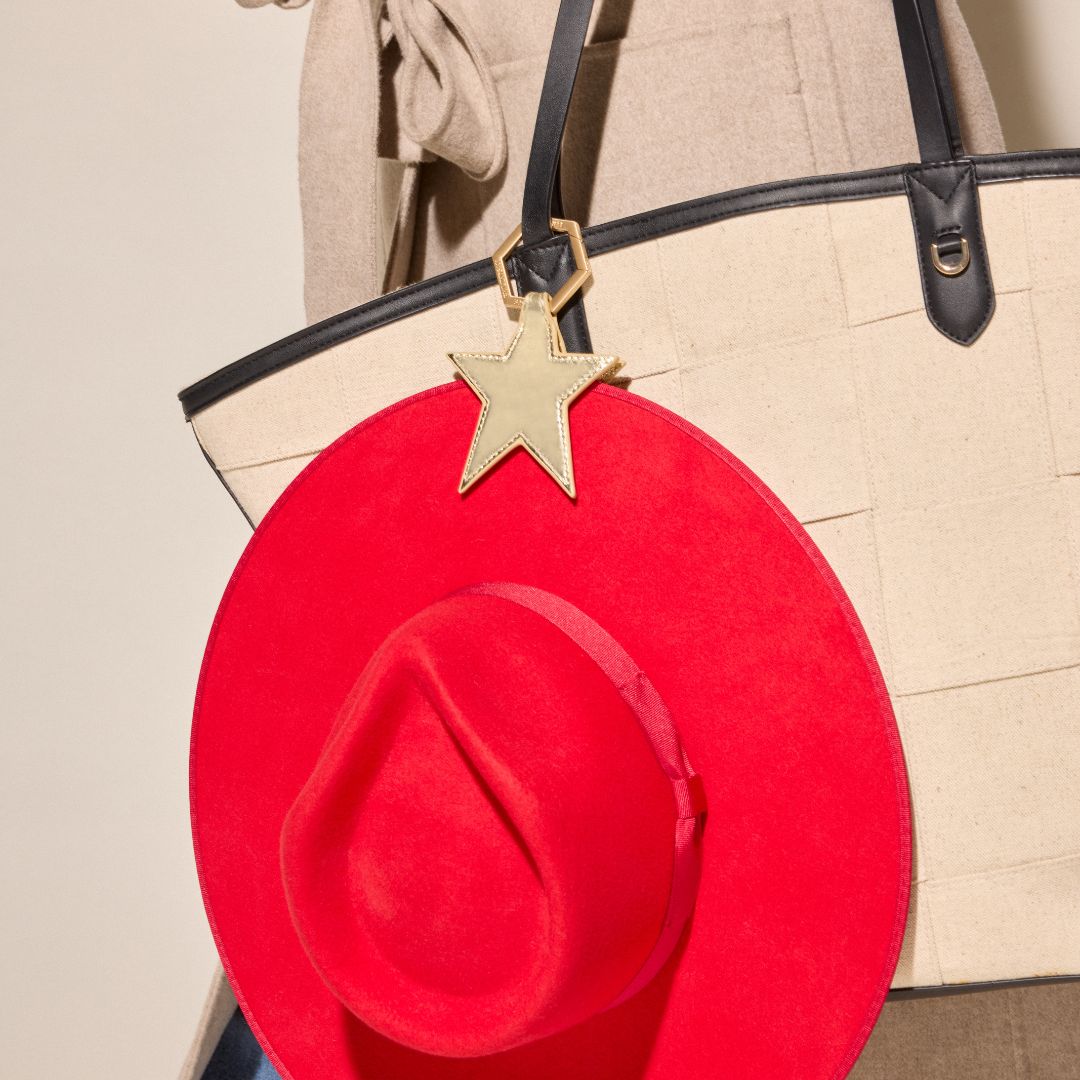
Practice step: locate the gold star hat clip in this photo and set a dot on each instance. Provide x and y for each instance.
(526, 391)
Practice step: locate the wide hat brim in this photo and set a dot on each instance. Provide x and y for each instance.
(681, 553)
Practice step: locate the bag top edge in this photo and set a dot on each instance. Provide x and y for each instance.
(624, 232)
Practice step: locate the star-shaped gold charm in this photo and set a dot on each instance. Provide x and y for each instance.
(526, 394)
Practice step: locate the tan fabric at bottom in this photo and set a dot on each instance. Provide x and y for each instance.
(1031, 1033)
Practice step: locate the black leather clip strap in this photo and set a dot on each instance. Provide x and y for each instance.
(544, 261)
(953, 264)
(544, 268)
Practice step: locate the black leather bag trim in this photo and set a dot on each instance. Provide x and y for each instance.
(599, 239)
(913, 993)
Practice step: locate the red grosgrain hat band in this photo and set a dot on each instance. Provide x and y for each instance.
(445, 819)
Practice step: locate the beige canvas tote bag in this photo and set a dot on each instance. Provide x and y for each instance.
(895, 353)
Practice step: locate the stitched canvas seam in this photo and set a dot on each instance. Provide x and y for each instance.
(828, 518)
(1002, 872)
(1022, 673)
(917, 309)
(1072, 540)
(794, 341)
(245, 466)
(935, 948)
(1038, 371)
(674, 323)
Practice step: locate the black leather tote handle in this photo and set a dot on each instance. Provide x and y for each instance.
(933, 105)
(929, 88)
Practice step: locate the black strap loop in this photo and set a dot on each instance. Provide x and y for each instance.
(929, 86)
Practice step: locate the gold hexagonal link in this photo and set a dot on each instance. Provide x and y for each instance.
(582, 271)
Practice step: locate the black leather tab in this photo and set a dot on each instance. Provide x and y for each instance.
(544, 268)
(944, 203)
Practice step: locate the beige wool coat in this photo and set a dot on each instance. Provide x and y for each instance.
(416, 117)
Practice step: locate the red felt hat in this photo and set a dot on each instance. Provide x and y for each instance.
(451, 758)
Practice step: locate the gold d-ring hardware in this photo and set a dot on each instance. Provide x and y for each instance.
(951, 269)
(582, 272)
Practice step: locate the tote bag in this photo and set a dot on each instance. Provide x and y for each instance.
(895, 353)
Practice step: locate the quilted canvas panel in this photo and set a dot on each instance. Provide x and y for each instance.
(942, 482)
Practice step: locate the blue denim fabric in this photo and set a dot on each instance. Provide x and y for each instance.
(238, 1056)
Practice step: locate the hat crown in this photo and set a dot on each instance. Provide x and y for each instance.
(483, 853)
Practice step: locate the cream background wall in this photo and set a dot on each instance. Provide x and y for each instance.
(1029, 50)
(151, 234)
